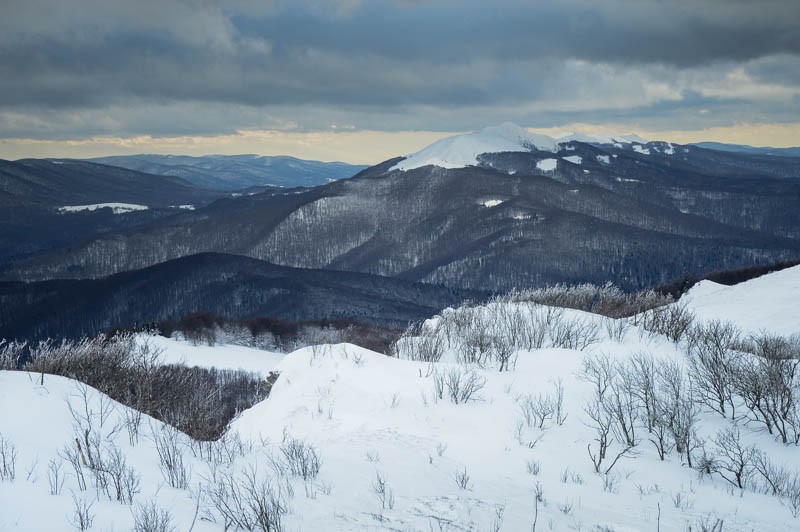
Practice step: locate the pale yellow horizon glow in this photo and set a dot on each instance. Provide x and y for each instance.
(356, 147)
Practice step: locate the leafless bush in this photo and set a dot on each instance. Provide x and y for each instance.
(462, 479)
(714, 363)
(11, 354)
(708, 523)
(383, 492)
(733, 461)
(8, 460)
(577, 333)
(676, 408)
(82, 516)
(123, 479)
(55, 476)
(607, 300)
(616, 328)
(420, 344)
(769, 384)
(608, 412)
(673, 321)
(533, 467)
(248, 501)
(462, 385)
(538, 410)
(302, 458)
(197, 401)
(148, 517)
(170, 455)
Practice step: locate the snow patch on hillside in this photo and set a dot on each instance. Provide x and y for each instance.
(574, 159)
(461, 151)
(638, 148)
(492, 203)
(605, 159)
(547, 165)
(117, 208)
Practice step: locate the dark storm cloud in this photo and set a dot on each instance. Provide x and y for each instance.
(375, 58)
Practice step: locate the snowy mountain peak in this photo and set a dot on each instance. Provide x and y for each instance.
(605, 137)
(461, 151)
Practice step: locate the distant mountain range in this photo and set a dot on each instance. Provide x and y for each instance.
(47, 204)
(741, 148)
(492, 210)
(233, 286)
(237, 172)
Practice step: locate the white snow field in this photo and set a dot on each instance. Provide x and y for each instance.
(116, 208)
(174, 351)
(770, 302)
(397, 453)
(547, 165)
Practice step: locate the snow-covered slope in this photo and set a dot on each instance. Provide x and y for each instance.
(396, 454)
(41, 420)
(175, 351)
(462, 150)
(770, 302)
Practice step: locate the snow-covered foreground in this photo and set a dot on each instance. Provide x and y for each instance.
(397, 456)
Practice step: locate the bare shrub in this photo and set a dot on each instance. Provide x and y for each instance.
(539, 410)
(769, 383)
(714, 364)
(607, 300)
(55, 476)
(576, 333)
(616, 328)
(200, 402)
(676, 408)
(170, 455)
(123, 479)
(11, 354)
(733, 461)
(462, 479)
(8, 460)
(609, 412)
(148, 517)
(462, 386)
(383, 492)
(302, 458)
(82, 515)
(420, 344)
(248, 501)
(673, 321)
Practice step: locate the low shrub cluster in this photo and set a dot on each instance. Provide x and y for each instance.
(198, 401)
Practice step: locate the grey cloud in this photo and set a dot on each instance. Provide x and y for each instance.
(106, 64)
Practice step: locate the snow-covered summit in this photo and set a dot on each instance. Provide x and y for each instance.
(605, 137)
(461, 151)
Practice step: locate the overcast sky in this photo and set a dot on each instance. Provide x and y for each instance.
(362, 80)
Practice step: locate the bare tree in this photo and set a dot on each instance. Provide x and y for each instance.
(714, 364)
(733, 461)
